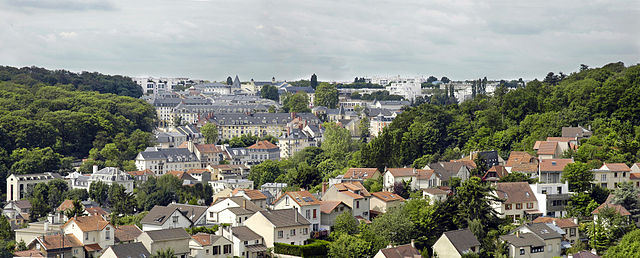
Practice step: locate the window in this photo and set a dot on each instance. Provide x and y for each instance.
(216, 250)
(615, 174)
(530, 205)
(280, 234)
(305, 231)
(246, 242)
(107, 234)
(314, 213)
(572, 232)
(86, 235)
(357, 204)
(521, 251)
(537, 249)
(207, 251)
(227, 249)
(518, 206)
(507, 206)
(292, 232)
(175, 219)
(308, 214)
(603, 177)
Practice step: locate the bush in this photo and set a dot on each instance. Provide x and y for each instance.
(316, 248)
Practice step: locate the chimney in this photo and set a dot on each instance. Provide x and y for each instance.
(295, 214)
(244, 204)
(518, 234)
(95, 168)
(324, 187)
(413, 243)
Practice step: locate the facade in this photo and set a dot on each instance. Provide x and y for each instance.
(258, 124)
(161, 217)
(354, 195)
(283, 226)
(205, 245)
(293, 141)
(111, 175)
(175, 238)
(383, 201)
(447, 170)
(305, 203)
(611, 174)
(230, 184)
(94, 232)
(550, 171)
(162, 160)
(408, 250)
(456, 243)
(434, 194)
(263, 150)
(245, 242)
(552, 198)
(255, 196)
(330, 211)
(19, 185)
(420, 178)
(519, 201)
(534, 240)
(126, 251)
(231, 210)
(568, 225)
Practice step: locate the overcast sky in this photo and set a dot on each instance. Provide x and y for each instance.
(337, 40)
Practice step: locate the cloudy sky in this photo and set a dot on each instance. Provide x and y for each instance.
(338, 40)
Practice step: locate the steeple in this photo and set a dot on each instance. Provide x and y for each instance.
(236, 82)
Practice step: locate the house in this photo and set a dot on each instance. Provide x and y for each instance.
(126, 234)
(17, 212)
(434, 194)
(391, 104)
(162, 160)
(36, 229)
(260, 124)
(201, 175)
(305, 203)
(88, 210)
(208, 154)
(165, 217)
(383, 201)
(232, 210)
(264, 150)
(456, 243)
(356, 174)
(59, 245)
(128, 250)
(634, 177)
(635, 168)
(401, 251)
(19, 185)
(489, 158)
(495, 173)
(446, 170)
(275, 189)
(205, 245)
(169, 139)
(255, 196)
(533, 240)
(617, 207)
(28, 253)
(523, 162)
(419, 178)
(552, 198)
(195, 213)
(519, 201)
(218, 172)
(283, 226)
(565, 143)
(548, 150)
(185, 177)
(611, 174)
(93, 232)
(157, 240)
(578, 132)
(78, 180)
(246, 242)
(330, 211)
(550, 171)
(353, 195)
(569, 225)
(293, 141)
(141, 175)
(112, 175)
(231, 184)
(378, 123)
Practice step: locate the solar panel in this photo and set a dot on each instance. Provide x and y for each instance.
(307, 199)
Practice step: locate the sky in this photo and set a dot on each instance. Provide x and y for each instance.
(337, 40)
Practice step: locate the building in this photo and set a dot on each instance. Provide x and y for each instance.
(169, 139)
(17, 212)
(419, 178)
(456, 243)
(126, 234)
(550, 171)
(230, 184)
(255, 196)
(330, 211)
(231, 210)
(158, 240)
(205, 245)
(534, 240)
(353, 195)
(36, 229)
(447, 170)
(245, 242)
(19, 185)
(523, 162)
(569, 225)
(434, 194)
(578, 132)
(283, 226)
(611, 174)
(383, 201)
(208, 154)
(552, 198)
(263, 150)
(128, 250)
(93, 232)
(162, 160)
(141, 176)
(548, 150)
(305, 203)
(275, 189)
(112, 175)
(356, 174)
(519, 201)
(165, 217)
(408, 250)
(495, 173)
(258, 124)
(293, 141)
(378, 123)
(59, 245)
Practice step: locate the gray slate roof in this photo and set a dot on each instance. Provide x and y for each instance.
(158, 215)
(543, 231)
(192, 212)
(284, 218)
(462, 239)
(525, 239)
(168, 234)
(130, 250)
(170, 154)
(244, 233)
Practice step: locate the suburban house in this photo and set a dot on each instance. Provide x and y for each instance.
(283, 226)
(353, 195)
(129, 250)
(446, 170)
(533, 240)
(19, 185)
(162, 160)
(245, 242)
(94, 232)
(456, 243)
(201, 175)
(434, 194)
(495, 173)
(175, 238)
(611, 174)
(419, 178)
(519, 201)
(551, 170)
(552, 198)
(548, 149)
(205, 245)
(578, 132)
(569, 225)
(231, 184)
(330, 210)
(617, 207)
(408, 250)
(356, 174)
(112, 175)
(635, 168)
(305, 203)
(232, 210)
(523, 162)
(263, 150)
(17, 212)
(59, 245)
(255, 196)
(165, 217)
(383, 201)
(126, 234)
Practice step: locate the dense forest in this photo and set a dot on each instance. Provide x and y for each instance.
(44, 127)
(85, 81)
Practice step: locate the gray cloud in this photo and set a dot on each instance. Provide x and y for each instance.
(335, 39)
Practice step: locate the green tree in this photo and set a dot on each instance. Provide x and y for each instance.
(298, 102)
(99, 192)
(210, 133)
(121, 202)
(629, 246)
(348, 246)
(518, 177)
(337, 142)
(57, 190)
(39, 204)
(265, 172)
(229, 80)
(581, 205)
(34, 160)
(345, 223)
(6, 232)
(314, 81)
(394, 227)
(269, 92)
(77, 194)
(76, 210)
(474, 202)
(326, 95)
(627, 196)
(164, 253)
(578, 175)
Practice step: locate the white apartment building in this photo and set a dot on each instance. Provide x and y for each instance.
(408, 90)
(230, 184)
(111, 175)
(19, 185)
(160, 161)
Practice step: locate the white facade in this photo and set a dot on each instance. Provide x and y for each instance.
(111, 175)
(19, 185)
(230, 184)
(408, 90)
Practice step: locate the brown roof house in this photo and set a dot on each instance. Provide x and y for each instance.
(495, 173)
(435, 194)
(456, 243)
(578, 132)
(519, 201)
(174, 238)
(401, 251)
(304, 202)
(283, 226)
(616, 207)
(419, 178)
(60, 245)
(353, 195)
(548, 149)
(330, 210)
(612, 174)
(551, 170)
(263, 150)
(126, 234)
(382, 201)
(94, 232)
(209, 245)
(523, 162)
(356, 174)
(258, 198)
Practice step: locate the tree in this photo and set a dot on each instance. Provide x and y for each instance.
(265, 172)
(445, 80)
(581, 205)
(578, 175)
(348, 246)
(431, 79)
(393, 227)
(57, 191)
(6, 232)
(364, 128)
(37, 159)
(229, 80)
(164, 253)
(399, 188)
(99, 192)
(518, 177)
(210, 133)
(269, 92)
(314, 81)
(298, 102)
(326, 95)
(39, 204)
(345, 223)
(627, 196)
(336, 142)
(77, 194)
(76, 210)
(121, 201)
(629, 246)
(474, 202)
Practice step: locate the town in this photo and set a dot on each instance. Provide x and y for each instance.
(374, 167)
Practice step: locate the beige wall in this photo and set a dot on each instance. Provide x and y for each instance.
(264, 228)
(611, 179)
(382, 206)
(443, 248)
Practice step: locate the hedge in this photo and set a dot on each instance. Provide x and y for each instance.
(316, 248)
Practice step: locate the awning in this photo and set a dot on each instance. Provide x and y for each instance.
(92, 247)
(256, 248)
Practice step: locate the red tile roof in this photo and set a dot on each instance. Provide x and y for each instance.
(387, 196)
(634, 176)
(618, 167)
(353, 186)
(360, 173)
(208, 148)
(203, 239)
(499, 171)
(469, 163)
(89, 223)
(328, 206)
(251, 193)
(52, 242)
(562, 223)
(520, 157)
(401, 172)
(263, 145)
(561, 139)
(619, 209)
(547, 148)
(28, 253)
(65, 205)
(554, 164)
(92, 247)
(96, 211)
(299, 197)
(147, 172)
